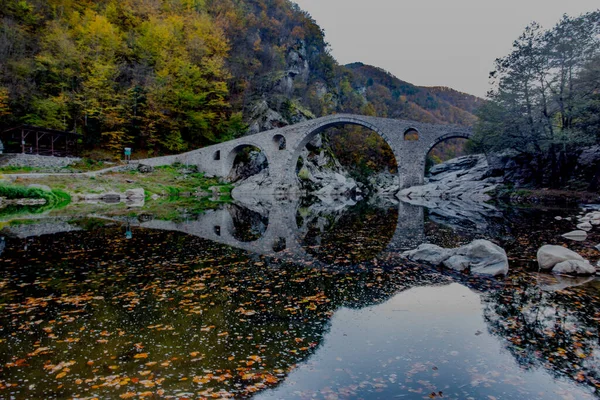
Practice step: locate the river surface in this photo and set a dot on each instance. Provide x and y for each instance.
(292, 300)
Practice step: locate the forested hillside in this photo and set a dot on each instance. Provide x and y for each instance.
(168, 76)
(394, 98)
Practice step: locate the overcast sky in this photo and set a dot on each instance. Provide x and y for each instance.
(433, 42)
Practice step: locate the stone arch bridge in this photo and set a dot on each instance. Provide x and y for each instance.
(410, 142)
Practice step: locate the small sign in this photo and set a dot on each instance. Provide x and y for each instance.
(127, 151)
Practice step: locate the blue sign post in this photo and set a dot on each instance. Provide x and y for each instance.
(128, 154)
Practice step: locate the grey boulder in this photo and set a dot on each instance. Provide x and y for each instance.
(548, 256)
(481, 257)
(484, 258)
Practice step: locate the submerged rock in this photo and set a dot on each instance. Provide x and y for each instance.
(481, 257)
(548, 256)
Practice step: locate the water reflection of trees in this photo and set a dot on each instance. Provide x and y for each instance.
(205, 317)
(557, 331)
(348, 236)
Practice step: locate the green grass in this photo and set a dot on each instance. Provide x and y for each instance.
(19, 170)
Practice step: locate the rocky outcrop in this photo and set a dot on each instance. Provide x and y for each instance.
(580, 169)
(320, 174)
(480, 257)
(276, 106)
(385, 184)
(465, 178)
(255, 162)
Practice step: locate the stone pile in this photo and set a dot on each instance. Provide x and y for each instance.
(480, 257)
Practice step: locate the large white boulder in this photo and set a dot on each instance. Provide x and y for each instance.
(574, 267)
(484, 258)
(548, 256)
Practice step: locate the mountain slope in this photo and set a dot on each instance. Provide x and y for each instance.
(394, 98)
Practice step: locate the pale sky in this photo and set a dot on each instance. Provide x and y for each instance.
(433, 42)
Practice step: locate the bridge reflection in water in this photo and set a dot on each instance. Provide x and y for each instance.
(286, 231)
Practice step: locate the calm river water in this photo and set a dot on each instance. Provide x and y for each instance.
(291, 300)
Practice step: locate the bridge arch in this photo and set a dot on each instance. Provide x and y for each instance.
(237, 150)
(325, 123)
(446, 136)
(440, 139)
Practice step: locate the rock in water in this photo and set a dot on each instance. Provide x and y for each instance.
(548, 256)
(578, 236)
(585, 226)
(481, 257)
(574, 267)
(484, 258)
(429, 253)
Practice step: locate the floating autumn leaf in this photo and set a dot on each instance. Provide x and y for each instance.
(141, 355)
